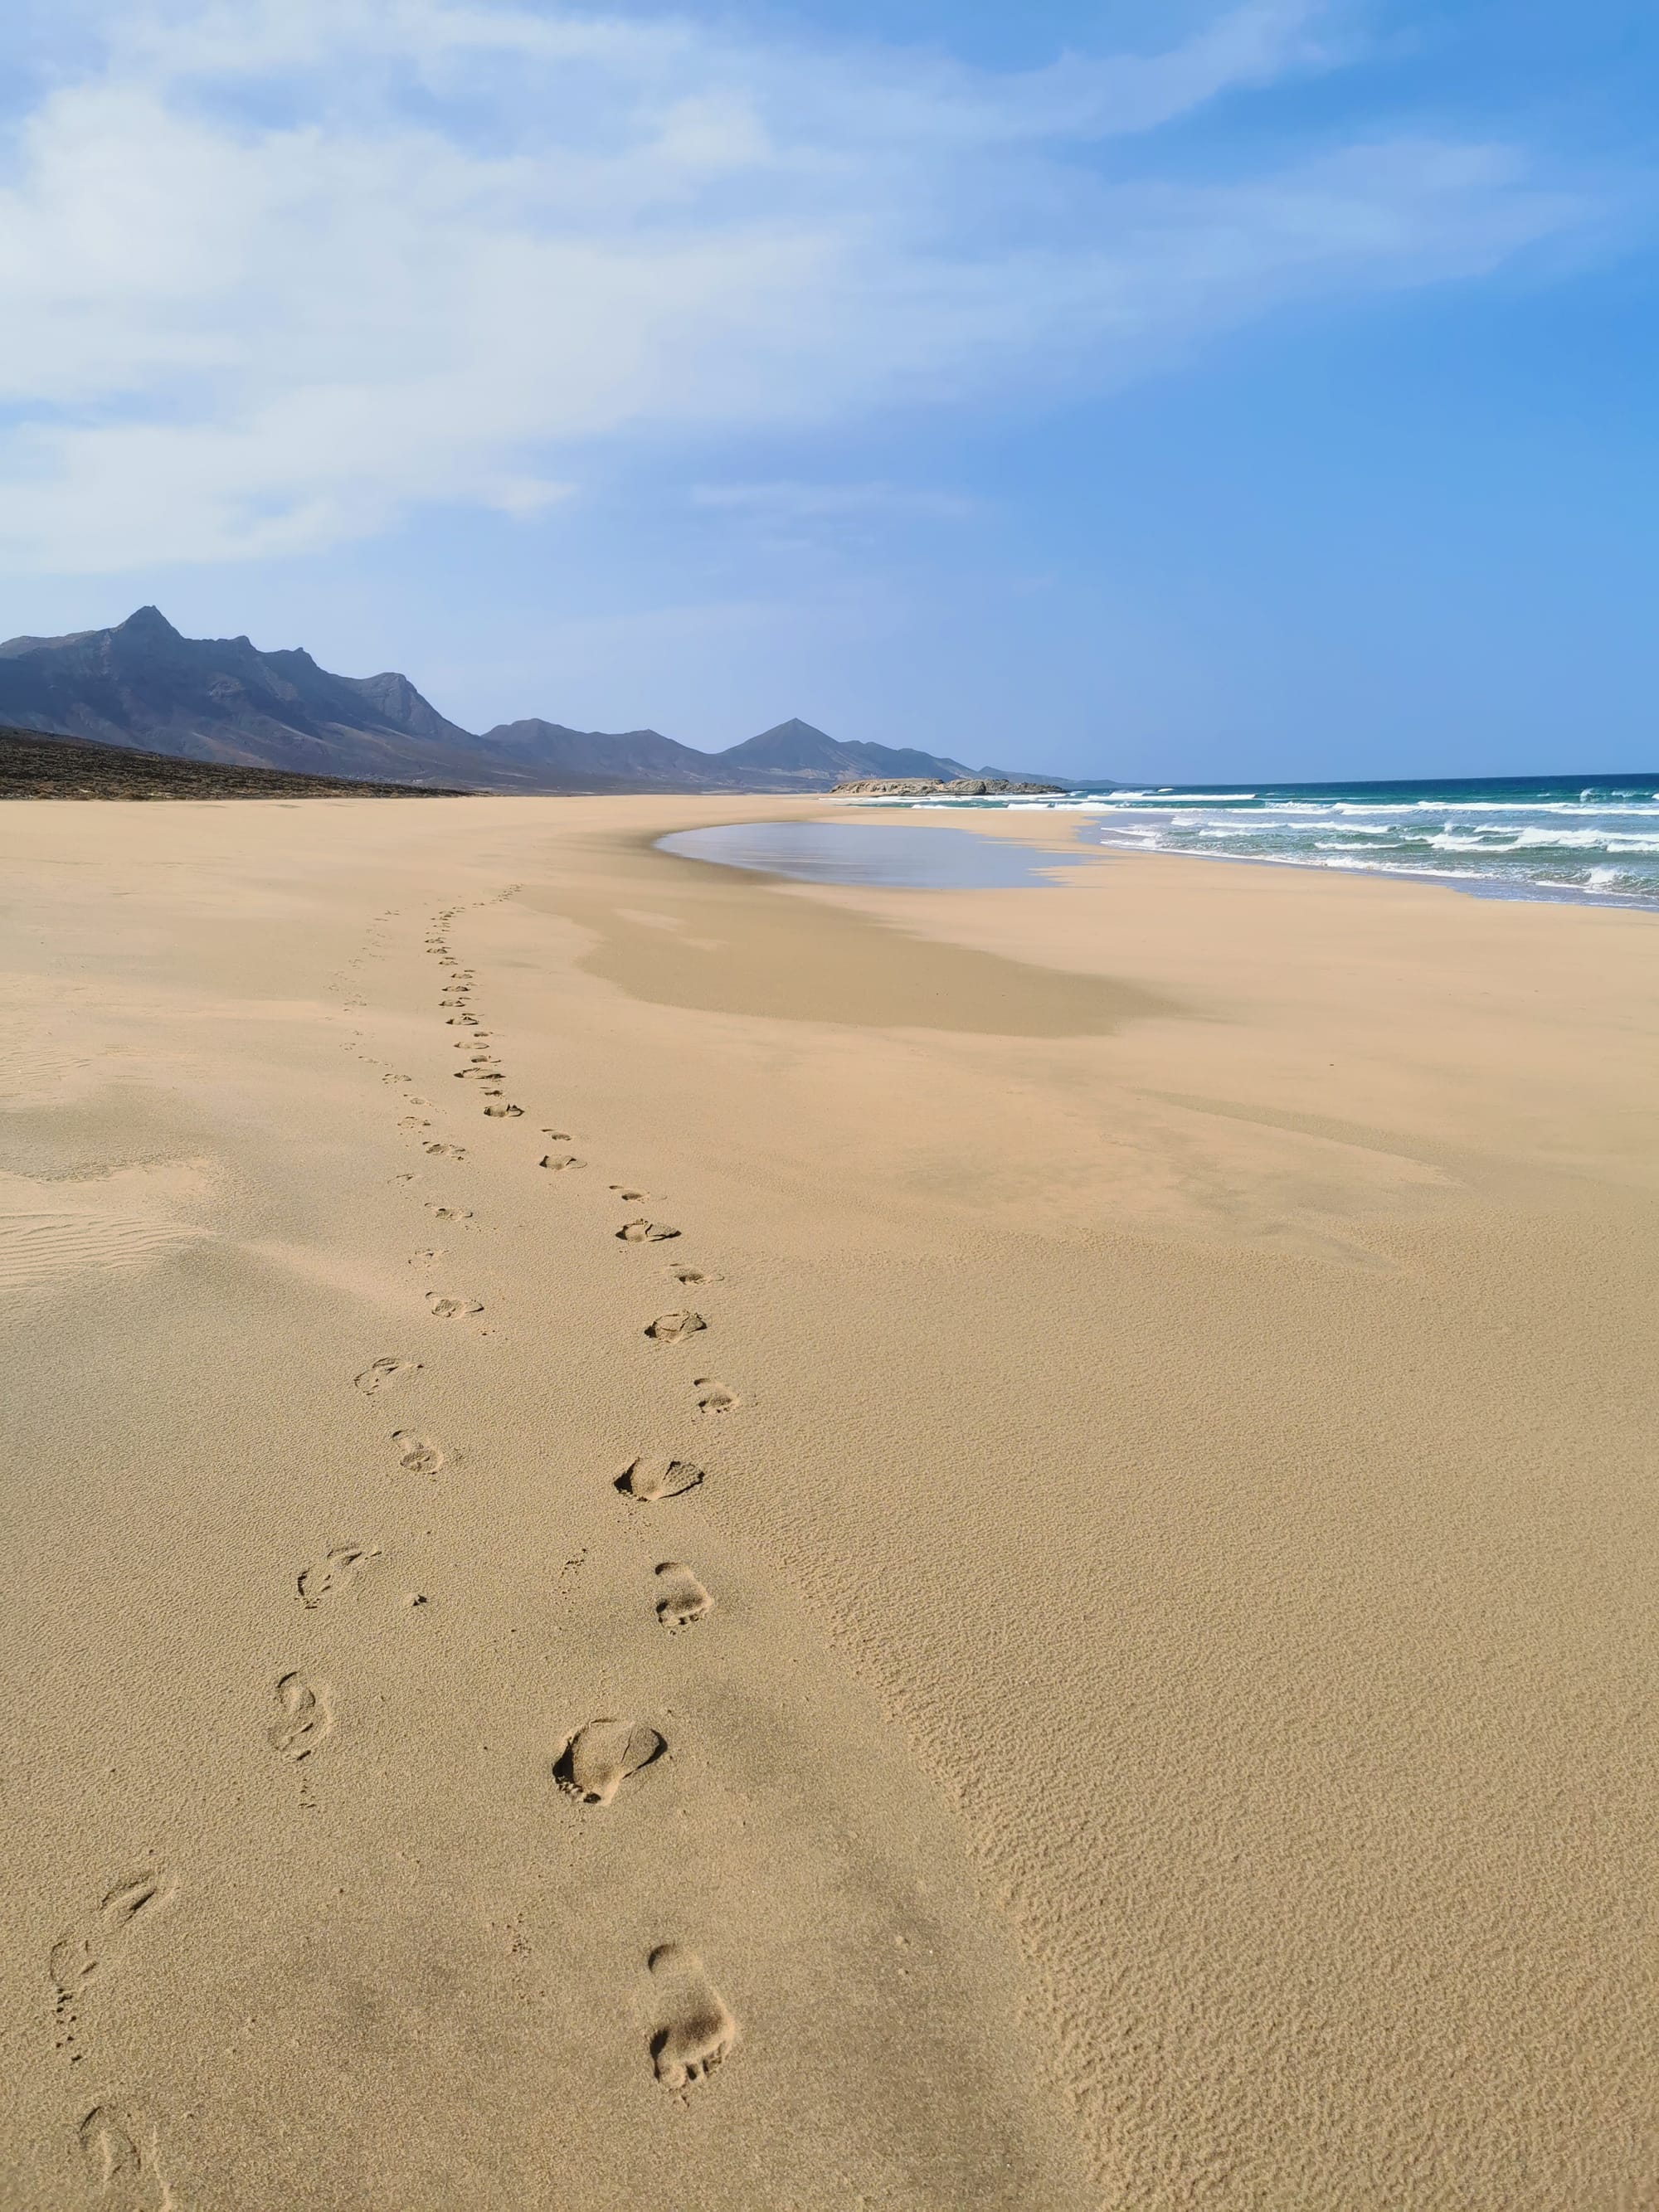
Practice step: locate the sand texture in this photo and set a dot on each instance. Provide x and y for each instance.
(682, 1542)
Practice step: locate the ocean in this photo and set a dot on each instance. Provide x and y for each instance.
(1583, 838)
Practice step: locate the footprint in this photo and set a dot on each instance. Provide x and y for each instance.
(563, 1160)
(337, 1572)
(447, 1152)
(697, 2031)
(681, 1598)
(387, 1374)
(675, 1328)
(559, 1136)
(599, 1758)
(80, 1955)
(713, 1397)
(690, 1277)
(452, 1308)
(450, 1213)
(649, 1479)
(118, 2166)
(307, 1719)
(504, 1112)
(645, 1232)
(136, 1894)
(478, 1075)
(425, 1259)
(421, 1455)
(112, 2156)
(629, 1197)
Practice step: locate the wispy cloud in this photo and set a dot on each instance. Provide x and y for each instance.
(276, 271)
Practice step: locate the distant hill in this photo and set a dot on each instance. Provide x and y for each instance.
(142, 684)
(599, 760)
(34, 764)
(797, 756)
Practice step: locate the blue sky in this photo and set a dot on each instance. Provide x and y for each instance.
(1164, 391)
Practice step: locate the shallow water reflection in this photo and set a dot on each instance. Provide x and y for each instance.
(893, 857)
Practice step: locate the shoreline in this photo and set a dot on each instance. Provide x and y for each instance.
(1533, 893)
(1160, 1718)
(1433, 878)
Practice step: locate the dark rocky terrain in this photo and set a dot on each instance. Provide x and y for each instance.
(141, 684)
(33, 764)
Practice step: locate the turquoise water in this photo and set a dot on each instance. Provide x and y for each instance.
(889, 856)
(1593, 838)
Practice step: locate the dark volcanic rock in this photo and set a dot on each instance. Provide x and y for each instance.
(36, 765)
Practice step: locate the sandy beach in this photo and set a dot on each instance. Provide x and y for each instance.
(676, 1541)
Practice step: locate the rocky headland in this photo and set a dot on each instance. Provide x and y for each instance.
(963, 786)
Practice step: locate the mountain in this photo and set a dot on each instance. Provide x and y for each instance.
(35, 766)
(144, 685)
(599, 760)
(795, 755)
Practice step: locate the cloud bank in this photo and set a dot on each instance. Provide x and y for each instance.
(277, 272)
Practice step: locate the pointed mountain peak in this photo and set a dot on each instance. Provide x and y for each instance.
(147, 623)
(793, 744)
(795, 727)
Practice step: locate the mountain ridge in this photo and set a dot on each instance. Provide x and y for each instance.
(142, 684)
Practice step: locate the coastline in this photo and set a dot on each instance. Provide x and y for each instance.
(1165, 1730)
(1434, 878)
(1495, 883)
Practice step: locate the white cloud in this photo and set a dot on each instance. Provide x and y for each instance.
(275, 271)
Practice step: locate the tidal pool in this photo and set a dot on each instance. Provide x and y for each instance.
(891, 857)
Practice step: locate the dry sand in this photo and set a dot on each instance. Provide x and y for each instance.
(1123, 1675)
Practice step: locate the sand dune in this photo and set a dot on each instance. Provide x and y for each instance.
(682, 1541)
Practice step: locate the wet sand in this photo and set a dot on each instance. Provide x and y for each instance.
(1113, 1667)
